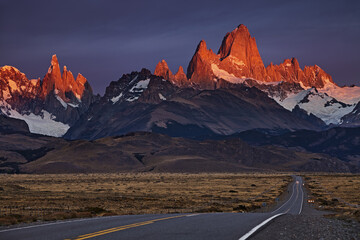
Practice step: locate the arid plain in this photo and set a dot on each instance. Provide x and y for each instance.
(46, 197)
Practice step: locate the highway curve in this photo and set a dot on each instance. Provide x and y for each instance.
(232, 226)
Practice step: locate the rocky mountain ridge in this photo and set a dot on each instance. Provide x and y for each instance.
(48, 106)
(239, 58)
(238, 61)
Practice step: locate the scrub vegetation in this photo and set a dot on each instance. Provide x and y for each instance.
(339, 193)
(47, 197)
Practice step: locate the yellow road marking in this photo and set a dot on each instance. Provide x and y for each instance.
(120, 228)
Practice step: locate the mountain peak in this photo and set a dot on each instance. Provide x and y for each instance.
(236, 42)
(201, 45)
(240, 56)
(241, 26)
(54, 60)
(9, 68)
(162, 70)
(180, 78)
(52, 79)
(180, 69)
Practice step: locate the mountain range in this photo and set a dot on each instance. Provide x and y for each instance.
(221, 94)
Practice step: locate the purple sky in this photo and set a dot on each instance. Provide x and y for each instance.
(105, 39)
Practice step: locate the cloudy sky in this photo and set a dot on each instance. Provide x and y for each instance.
(105, 39)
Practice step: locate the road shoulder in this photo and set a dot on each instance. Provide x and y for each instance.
(310, 224)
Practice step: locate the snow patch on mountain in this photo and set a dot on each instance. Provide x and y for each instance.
(117, 98)
(238, 63)
(349, 95)
(73, 105)
(41, 124)
(131, 99)
(140, 86)
(62, 102)
(220, 73)
(292, 99)
(325, 107)
(162, 97)
(135, 78)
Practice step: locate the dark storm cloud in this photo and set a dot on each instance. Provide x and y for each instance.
(104, 39)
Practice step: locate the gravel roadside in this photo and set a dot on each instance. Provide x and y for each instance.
(310, 224)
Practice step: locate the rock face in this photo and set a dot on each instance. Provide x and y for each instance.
(290, 71)
(199, 70)
(17, 90)
(55, 102)
(64, 85)
(239, 58)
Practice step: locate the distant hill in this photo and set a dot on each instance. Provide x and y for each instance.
(342, 143)
(143, 152)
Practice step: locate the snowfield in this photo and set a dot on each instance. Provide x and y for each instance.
(45, 125)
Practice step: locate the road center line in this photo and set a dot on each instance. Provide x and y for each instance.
(55, 223)
(297, 194)
(193, 215)
(124, 227)
(293, 190)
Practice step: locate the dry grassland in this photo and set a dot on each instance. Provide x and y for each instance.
(27, 198)
(338, 192)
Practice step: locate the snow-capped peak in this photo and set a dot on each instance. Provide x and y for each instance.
(325, 107)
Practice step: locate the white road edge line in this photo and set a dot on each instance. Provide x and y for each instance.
(259, 226)
(46, 224)
(287, 200)
(60, 222)
(54, 223)
(302, 198)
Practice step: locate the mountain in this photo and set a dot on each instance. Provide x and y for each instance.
(49, 106)
(141, 101)
(145, 152)
(238, 61)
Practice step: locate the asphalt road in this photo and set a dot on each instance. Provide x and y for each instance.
(207, 226)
